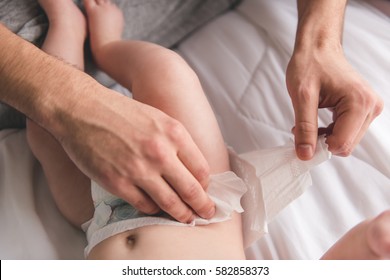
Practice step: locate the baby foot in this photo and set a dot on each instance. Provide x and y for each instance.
(66, 15)
(105, 22)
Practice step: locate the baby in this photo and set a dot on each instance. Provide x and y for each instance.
(160, 78)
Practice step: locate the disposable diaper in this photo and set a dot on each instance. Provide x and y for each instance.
(260, 185)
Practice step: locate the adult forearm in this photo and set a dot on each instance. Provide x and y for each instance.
(320, 23)
(35, 83)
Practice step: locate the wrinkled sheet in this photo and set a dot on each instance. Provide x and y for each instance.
(241, 60)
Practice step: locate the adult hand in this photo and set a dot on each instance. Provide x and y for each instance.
(323, 78)
(133, 150)
(137, 153)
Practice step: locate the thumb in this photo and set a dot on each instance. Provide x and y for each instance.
(306, 123)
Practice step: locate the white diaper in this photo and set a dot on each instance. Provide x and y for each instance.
(263, 182)
(113, 215)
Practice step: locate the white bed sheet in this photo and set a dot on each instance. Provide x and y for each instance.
(240, 58)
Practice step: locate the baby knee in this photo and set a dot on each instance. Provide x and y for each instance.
(379, 234)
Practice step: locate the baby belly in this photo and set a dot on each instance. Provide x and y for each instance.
(215, 241)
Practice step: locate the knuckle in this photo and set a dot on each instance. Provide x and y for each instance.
(168, 203)
(156, 150)
(202, 174)
(175, 131)
(304, 93)
(378, 108)
(191, 193)
(365, 97)
(364, 100)
(305, 127)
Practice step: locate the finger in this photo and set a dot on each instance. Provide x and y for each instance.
(190, 190)
(168, 200)
(375, 112)
(139, 200)
(351, 124)
(306, 123)
(348, 129)
(193, 159)
(362, 132)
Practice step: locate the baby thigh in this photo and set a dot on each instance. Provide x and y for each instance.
(70, 188)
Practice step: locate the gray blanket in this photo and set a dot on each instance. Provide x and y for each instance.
(165, 22)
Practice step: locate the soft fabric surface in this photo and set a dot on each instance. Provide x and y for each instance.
(240, 58)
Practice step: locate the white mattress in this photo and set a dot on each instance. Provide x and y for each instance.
(240, 58)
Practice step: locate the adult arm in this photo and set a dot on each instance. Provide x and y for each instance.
(108, 136)
(319, 76)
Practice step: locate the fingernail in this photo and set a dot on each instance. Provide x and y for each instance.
(305, 151)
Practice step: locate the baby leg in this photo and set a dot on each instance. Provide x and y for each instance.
(70, 188)
(161, 78)
(157, 77)
(369, 240)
